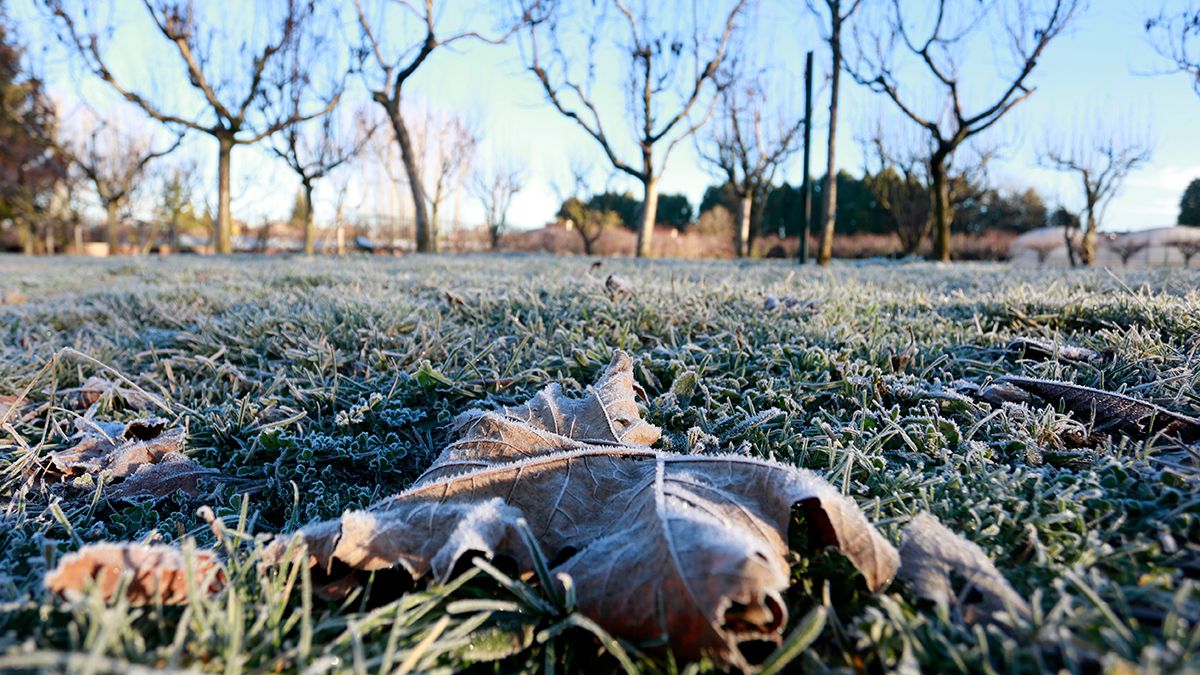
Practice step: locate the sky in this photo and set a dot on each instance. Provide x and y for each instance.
(1101, 69)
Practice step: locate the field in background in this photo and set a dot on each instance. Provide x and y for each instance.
(318, 385)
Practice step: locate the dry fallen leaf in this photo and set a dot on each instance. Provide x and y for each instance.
(931, 553)
(117, 447)
(1044, 350)
(771, 303)
(1111, 411)
(688, 548)
(174, 473)
(11, 407)
(156, 573)
(142, 459)
(96, 387)
(617, 286)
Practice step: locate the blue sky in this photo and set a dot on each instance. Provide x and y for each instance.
(1103, 67)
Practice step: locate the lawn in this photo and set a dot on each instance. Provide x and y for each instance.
(314, 386)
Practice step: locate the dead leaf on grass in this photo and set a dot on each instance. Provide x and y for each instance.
(772, 303)
(932, 554)
(142, 458)
(1130, 416)
(96, 387)
(12, 408)
(155, 572)
(1044, 350)
(692, 549)
(116, 447)
(617, 287)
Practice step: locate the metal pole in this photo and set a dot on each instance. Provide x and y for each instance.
(808, 77)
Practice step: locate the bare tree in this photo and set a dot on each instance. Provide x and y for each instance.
(746, 147)
(388, 70)
(1127, 247)
(1176, 37)
(936, 40)
(1188, 248)
(839, 12)
(312, 149)
(589, 223)
(1102, 154)
(113, 157)
(232, 105)
(449, 153)
(900, 179)
(175, 198)
(662, 86)
(899, 183)
(495, 189)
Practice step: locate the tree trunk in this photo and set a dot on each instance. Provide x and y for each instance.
(426, 238)
(432, 228)
(310, 230)
(112, 221)
(223, 227)
(1070, 244)
(174, 233)
(1087, 250)
(649, 212)
(941, 208)
(745, 206)
(829, 194)
(495, 232)
(25, 234)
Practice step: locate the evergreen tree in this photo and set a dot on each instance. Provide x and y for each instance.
(29, 169)
(1189, 206)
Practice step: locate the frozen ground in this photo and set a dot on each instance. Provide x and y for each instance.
(320, 385)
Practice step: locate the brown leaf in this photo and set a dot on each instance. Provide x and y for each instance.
(617, 286)
(156, 573)
(174, 473)
(1110, 410)
(119, 448)
(96, 387)
(659, 545)
(771, 303)
(1044, 350)
(12, 408)
(930, 553)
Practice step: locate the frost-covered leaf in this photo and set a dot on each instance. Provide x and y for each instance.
(12, 408)
(97, 387)
(931, 556)
(116, 447)
(155, 573)
(1110, 410)
(1044, 350)
(173, 474)
(772, 303)
(142, 460)
(617, 286)
(659, 546)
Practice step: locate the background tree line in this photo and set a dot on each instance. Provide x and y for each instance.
(688, 79)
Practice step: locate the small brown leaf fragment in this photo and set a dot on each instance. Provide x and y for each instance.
(119, 448)
(999, 393)
(11, 407)
(1118, 412)
(1044, 350)
(96, 387)
(931, 553)
(617, 287)
(787, 302)
(690, 549)
(156, 572)
(174, 473)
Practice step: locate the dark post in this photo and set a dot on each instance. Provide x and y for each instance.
(808, 76)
